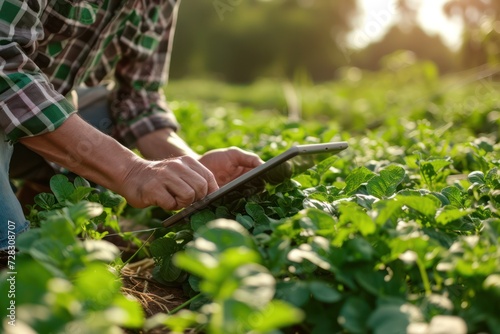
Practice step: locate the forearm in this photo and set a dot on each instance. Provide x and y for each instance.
(162, 144)
(85, 151)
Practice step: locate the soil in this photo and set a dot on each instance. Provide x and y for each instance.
(138, 281)
(155, 298)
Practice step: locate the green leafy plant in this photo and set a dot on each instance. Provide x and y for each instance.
(63, 275)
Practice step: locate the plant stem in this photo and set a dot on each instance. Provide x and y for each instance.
(183, 305)
(425, 278)
(137, 251)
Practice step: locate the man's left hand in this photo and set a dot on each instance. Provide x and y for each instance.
(229, 163)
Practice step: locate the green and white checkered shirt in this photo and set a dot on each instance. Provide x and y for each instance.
(49, 47)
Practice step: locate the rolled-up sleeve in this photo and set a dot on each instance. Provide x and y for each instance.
(29, 104)
(138, 103)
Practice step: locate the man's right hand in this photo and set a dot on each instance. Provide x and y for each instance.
(171, 184)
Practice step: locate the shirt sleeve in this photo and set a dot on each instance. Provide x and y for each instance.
(139, 105)
(29, 105)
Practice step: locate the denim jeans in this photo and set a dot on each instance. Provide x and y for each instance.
(12, 220)
(27, 165)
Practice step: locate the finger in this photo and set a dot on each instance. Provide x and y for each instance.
(187, 187)
(166, 201)
(204, 172)
(246, 159)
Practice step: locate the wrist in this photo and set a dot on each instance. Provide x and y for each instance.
(162, 144)
(79, 147)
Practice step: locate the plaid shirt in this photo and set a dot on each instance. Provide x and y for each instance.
(48, 47)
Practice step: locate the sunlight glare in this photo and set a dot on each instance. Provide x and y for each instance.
(377, 16)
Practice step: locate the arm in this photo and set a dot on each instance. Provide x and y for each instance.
(29, 105)
(34, 113)
(170, 184)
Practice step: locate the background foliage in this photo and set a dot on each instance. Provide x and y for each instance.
(242, 41)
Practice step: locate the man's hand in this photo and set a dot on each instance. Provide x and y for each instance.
(171, 184)
(227, 164)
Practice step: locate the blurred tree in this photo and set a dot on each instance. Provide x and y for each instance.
(239, 41)
(481, 20)
(412, 38)
(407, 13)
(406, 34)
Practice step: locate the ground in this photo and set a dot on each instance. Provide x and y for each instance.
(138, 280)
(154, 297)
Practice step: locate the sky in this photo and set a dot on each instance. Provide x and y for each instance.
(379, 15)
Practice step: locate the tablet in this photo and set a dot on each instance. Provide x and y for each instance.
(288, 164)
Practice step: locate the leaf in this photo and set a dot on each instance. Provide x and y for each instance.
(351, 212)
(392, 318)
(263, 222)
(25, 240)
(257, 213)
(354, 314)
(356, 178)
(429, 169)
(275, 315)
(295, 292)
(492, 178)
(304, 252)
(31, 288)
(387, 209)
(439, 164)
(385, 185)
(163, 247)
(168, 272)
(201, 218)
(317, 219)
(100, 250)
(447, 215)
(225, 234)
(492, 284)
(178, 323)
(81, 182)
(245, 220)
(323, 292)
(96, 280)
(454, 195)
(163, 250)
(51, 251)
(195, 263)
(371, 281)
(476, 177)
(426, 205)
(84, 210)
(320, 205)
(365, 201)
(65, 230)
(79, 194)
(61, 187)
(256, 286)
(110, 200)
(45, 200)
(359, 249)
(126, 312)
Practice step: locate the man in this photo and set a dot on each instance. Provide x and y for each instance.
(50, 47)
